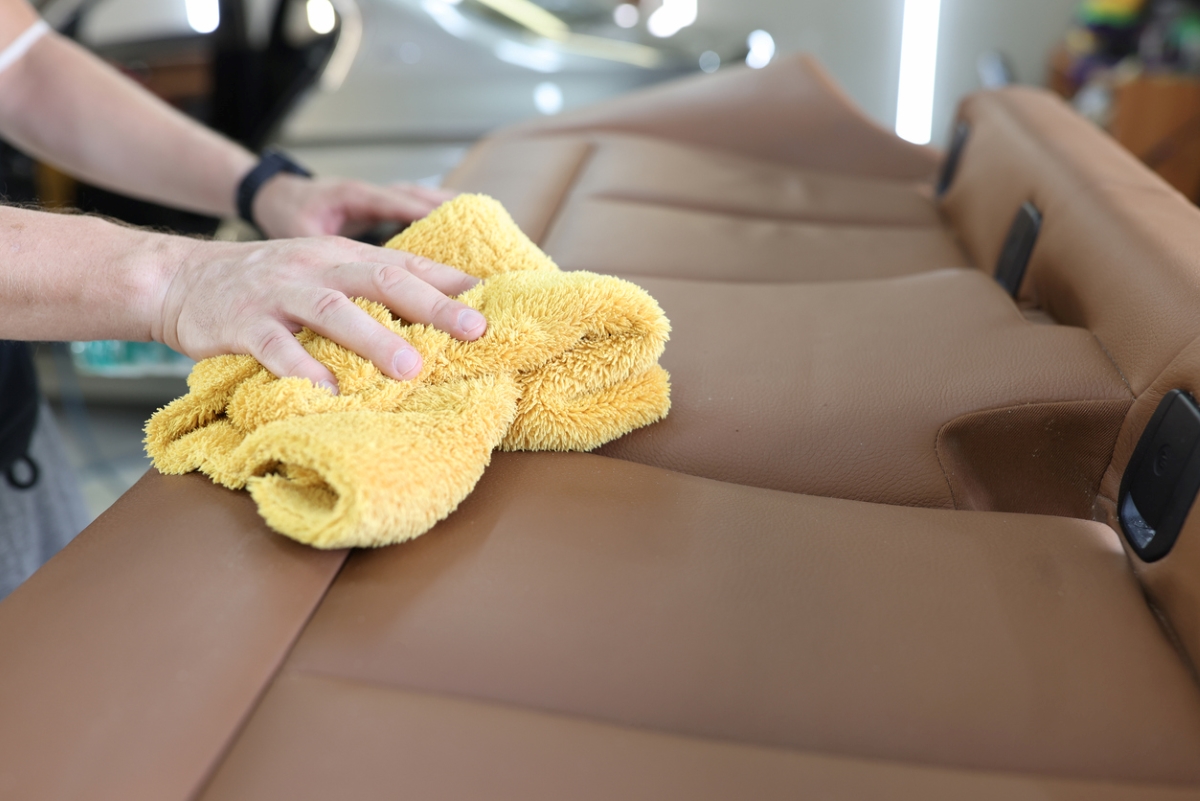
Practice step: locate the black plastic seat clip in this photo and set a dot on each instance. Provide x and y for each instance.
(1163, 477)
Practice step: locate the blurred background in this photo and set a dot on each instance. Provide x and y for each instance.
(388, 90)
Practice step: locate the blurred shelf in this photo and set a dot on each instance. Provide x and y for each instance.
(158, 390)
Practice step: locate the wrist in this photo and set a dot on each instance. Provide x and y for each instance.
(157, 262)
(271, 165)
(280, 201)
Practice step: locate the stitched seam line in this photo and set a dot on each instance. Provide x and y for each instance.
(1116, 366)
(568, 190)
(742, 214)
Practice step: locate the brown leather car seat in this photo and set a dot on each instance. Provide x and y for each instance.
(588, 627)
(1036, 439)
(1118, 250)
(741, 177)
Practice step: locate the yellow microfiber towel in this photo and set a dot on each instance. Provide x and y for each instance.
(569, 361)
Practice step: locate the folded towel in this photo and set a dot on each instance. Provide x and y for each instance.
(569, 362)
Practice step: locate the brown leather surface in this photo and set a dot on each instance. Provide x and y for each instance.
(640, 206)
(1172, 583)
(1026, 144)
(790, 113)
(320, 738)
(634, 238)
(532, 178)
(1118, 252)
(587, 626)
(586, 586)
(672, 174)
(131, 657)
(1040, 458)
(841, 389)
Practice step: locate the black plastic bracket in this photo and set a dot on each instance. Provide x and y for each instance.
(1018, 248)
(958, 142)
(1163, 477)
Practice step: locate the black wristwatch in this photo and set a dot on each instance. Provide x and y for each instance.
(271, 163)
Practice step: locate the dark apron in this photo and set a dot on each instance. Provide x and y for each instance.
(18, 414)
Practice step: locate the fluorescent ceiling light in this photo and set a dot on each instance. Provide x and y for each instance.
(204, 16)
(532, 58)
(639, 55)
(531, 16)
(918, 70)
(672, 17)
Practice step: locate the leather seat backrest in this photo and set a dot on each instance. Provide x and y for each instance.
(791, 113)
(1119, 250)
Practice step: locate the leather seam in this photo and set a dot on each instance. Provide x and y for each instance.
(566, 715)
(515, 706)
(568, 190)
(937, 452)
(1117, 367)
(235, 733)
(699, 208)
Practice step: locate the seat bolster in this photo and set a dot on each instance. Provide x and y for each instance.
(532, 177)
(1117, 253)
(1172, 583)
(131, 658)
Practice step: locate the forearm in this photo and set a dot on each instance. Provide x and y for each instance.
(64, 106)
(68, 277)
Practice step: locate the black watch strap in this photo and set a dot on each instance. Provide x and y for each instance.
(270, 164)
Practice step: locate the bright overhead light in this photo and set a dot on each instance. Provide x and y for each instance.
(321, 16)
(530, 15)
(762, 49)
(548, 98)
(448, 18)
(918, 70)
(626, 15)
(204, 16)
(672, 17)
(531, 58)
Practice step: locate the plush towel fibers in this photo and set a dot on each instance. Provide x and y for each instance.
(569, 362)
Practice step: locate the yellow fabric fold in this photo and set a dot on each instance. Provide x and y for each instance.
(569, 362)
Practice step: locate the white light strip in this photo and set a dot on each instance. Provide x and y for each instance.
(20, 46)
(918, 70)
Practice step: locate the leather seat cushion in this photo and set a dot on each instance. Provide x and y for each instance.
(386, 742)
(597, 589)
(844, 389)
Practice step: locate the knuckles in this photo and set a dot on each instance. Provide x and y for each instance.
(326, 304)
(390, 280)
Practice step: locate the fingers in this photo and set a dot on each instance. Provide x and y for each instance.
(334, 316)
(445, 279)
(409, 296)
(277, 349)
(364, 201)
(435, 195)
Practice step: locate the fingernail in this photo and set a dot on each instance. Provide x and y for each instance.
(407, 363)
(329, 385)
(471, 322)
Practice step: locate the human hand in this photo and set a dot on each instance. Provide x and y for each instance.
(254, 297)
(291, 206)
